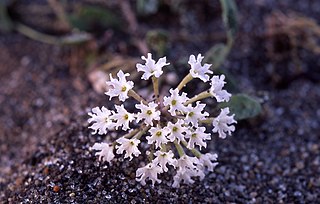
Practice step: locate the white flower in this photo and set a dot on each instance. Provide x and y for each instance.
(101, 120)
(128, 145)
(148, 113)
(158, 136)
(175, 101)
(176, 130)
(123, 117)
(197, 70)
(119, 87)
(222, 123)
(197, 137)
(164, 158)
(106, 151)
(187, 167)
(209, 160)
(216, 89)
(150, 171)
(151, 68)
(194, 114)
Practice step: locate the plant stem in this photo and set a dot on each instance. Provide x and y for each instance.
(136, 96)
(198, 97)
(207, 121)
(144, 130)
(184, 81)
(155, 82)
(179, 148)
(193, 150)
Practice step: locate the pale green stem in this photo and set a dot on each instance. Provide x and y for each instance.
(155, 82)
(198, 97)
(136, 96)
(179, 148)
(193, 150)
(184, 81)
(164, 147)
(128, 135)
(151, 155)
(144, 130)
(207, 120)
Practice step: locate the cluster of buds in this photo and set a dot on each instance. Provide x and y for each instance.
(172, 125)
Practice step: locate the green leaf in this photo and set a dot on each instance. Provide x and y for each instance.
(229, 16)
(89, 18)
(216, 55)
(243, 106)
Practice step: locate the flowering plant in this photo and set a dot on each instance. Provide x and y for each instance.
(171, 124)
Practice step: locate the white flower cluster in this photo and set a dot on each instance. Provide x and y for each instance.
(172, 125)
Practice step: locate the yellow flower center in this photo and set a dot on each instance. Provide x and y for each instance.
(173, 102)
(191, 114)
(149, 112)
(158, 133)
(126, 116)
(124, 89)
(174, 129)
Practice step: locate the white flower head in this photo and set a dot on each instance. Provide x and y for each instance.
(194, 114)
(222, 123)
(106, 151)
(122, 117)
(164, 158)
(197, 137)
(151, 68)
(197, 70)
(100, 120)
(175, 101)
(209, 160)
(119, 87)
(130, 146)
(158, 136)
(177, 130)
(148, 113)
(150, 171)
(217, 83)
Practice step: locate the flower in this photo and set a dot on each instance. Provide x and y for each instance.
(123, 117)
(197, 137)
(176, 130)
(222, 123)
(119, 87)
(150, 171)
(209, 160)
(106, 151)
(216, 89)
(101, 120)
(197, 70)
(175, 101)
(130, 146)
(148, 113)
(194, 114)
(158, 136)
(164, 158)
(187, 168)
(151, 68)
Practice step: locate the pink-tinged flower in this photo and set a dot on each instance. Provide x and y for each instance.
(197, 137)
(175, 101)
(216, 89)
(158, 136)
(209, 160)
(151, 68)
(149, 171)
(222, 123)
(164, 158)
(100, 120)
(130, 146)
(122, 117)
(106, 151)
(177, 130)
(194, 114)
(197, 70)
(119, 87)
(148, 113)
